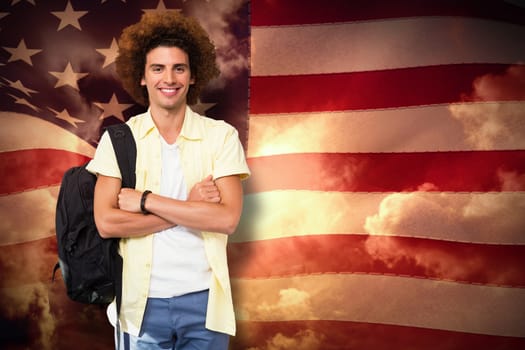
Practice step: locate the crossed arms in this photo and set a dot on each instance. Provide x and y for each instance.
(211, 206)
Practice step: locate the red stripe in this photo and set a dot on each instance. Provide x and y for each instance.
(484, 263)
(367, 90)
(337, 335)
(30, 169)
(388, 172)
(386, 255)
(292, 12)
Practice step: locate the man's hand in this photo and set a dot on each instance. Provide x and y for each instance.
(205, 191)
(129, 200)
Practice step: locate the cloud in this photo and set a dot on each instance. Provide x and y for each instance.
(411, 214)
(477, 217)
(36, 313)
(304, 340)
(509, 86)
(492, 125)
(291, 303)
(232, 48)
(511, 180)
(488, 124)
(25, 311)
(482, 217)
(29, 306)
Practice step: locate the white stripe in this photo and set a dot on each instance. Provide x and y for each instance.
(383, 44)
(414, 129)
(463, 217)
(23, 132)
(384, 300)
(28, 216)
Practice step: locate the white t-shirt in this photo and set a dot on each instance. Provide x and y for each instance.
(179, 263)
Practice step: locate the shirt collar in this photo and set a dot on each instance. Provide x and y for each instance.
(190, 130)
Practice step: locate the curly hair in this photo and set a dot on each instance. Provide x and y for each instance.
(169, 29)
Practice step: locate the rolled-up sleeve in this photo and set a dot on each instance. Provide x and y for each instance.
(104, 162)
(230, 158)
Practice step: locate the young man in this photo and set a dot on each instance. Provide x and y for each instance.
(188, 197)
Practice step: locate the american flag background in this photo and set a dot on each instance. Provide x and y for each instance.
(386, 140)
(58, 89)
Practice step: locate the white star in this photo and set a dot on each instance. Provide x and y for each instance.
(64, 115)
(20, 87)
(3, 14)
(69, 17)
(32, 2)
(23, 101)
(21, 53)
(68, 77)
(201, 107)
(160, 8)
(113, 108)
(110, 53)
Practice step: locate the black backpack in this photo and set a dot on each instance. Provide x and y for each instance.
(91, 265)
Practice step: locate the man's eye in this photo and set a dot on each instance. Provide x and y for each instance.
(156, 69)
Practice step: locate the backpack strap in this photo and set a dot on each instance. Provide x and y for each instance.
(126, 152)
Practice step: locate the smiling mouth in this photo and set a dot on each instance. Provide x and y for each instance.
(169, 92)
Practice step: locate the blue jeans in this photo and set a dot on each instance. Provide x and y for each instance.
(177, 324)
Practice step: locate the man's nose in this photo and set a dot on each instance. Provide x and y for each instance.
(169, 76)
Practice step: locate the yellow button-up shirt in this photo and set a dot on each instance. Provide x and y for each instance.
(207, 146)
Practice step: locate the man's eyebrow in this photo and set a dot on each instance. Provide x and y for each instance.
(175, 65)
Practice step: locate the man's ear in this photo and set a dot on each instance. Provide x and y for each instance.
(142, 82)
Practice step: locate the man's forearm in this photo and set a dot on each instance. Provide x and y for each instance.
(222, 216)
(119, 223)
(203, 216)
(216, 210)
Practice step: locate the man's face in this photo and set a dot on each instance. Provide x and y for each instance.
(167, 77)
